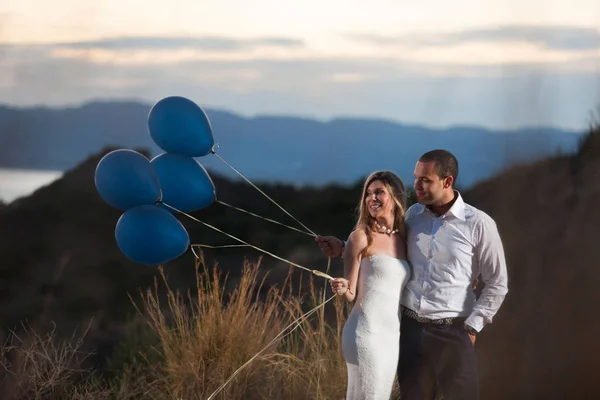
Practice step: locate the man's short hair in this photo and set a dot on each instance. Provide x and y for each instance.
(445, 163)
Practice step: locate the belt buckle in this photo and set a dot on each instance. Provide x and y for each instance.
(444, 321)
(414, 315)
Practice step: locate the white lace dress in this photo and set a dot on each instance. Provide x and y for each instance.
(371, 335)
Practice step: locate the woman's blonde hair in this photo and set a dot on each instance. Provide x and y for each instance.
(395, 188)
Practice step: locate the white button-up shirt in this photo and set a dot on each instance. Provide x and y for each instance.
(447, 254)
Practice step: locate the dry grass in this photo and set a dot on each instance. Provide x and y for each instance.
(35, 366)
(198, 340)
(205, 338)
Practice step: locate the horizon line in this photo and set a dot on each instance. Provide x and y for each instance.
(339, 117)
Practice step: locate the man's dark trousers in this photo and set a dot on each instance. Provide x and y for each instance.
(437, 359)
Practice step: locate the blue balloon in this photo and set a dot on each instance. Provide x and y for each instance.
(125, 179)
(151, 235)
(184, 182)
(178, 125)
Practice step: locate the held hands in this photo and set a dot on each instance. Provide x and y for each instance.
(339, 286)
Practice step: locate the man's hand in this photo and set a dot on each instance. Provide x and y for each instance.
(330, 245)
(473, 338)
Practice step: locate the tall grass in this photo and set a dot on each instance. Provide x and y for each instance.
(191, 343)
(204, 338)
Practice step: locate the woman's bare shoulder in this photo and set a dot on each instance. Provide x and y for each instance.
(358, 237)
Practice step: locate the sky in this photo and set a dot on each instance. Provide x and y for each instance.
(499, 64)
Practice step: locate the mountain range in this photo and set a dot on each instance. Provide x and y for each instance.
(300, 151)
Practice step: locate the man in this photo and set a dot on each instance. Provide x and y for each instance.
(449, 244)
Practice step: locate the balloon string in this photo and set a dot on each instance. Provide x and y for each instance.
(277, 338)
(322, 317)
(266, 219)
(214, 247)
(263, 193)
(314, 271)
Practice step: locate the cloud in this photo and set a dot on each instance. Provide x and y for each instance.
(155, 49)
(565, 38)
(429, 51)
(303, 83)
(213, 43)
(495, 96)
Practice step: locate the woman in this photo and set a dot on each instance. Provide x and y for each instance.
(376, 272)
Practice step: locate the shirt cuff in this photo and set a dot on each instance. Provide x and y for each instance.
(476, 322)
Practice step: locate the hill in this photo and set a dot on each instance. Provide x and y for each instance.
(60, 262)
(543, 343)
(272, 149)
(60, 257)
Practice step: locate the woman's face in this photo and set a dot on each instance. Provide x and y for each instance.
(379, 200)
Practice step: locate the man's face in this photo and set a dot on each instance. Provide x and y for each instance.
(429, 187)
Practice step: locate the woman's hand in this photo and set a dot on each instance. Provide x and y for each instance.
(339, 285)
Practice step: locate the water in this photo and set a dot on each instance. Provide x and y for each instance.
(15, 183)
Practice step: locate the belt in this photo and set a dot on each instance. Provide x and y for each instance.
(442, 321)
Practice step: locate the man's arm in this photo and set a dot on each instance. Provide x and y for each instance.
(489, 254)
(334, 247)
(330, 246)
